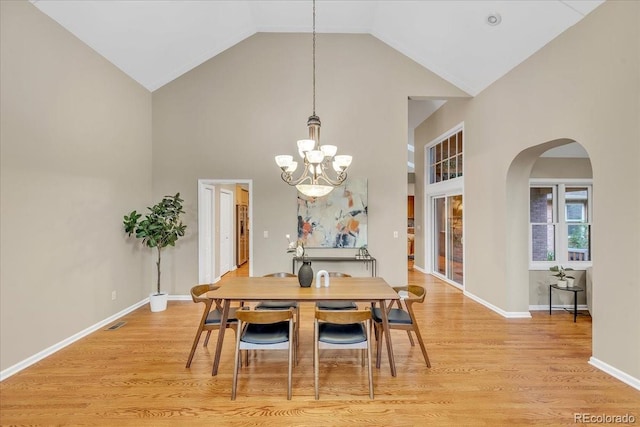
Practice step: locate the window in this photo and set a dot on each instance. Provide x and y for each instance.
(445, 158)
(560, 224)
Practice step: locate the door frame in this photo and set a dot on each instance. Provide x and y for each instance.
(430, 235)
(230, 220)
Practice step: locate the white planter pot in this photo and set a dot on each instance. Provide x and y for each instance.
(570, 282)
(562, 283)
(158, 302)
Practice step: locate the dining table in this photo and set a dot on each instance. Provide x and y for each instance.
(374, 290)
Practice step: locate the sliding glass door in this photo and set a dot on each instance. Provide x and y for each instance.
(447, 238)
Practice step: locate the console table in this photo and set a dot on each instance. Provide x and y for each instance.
(369, 261)
(575, 291)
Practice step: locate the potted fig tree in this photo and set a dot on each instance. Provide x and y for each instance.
(161, 227)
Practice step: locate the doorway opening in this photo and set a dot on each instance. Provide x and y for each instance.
(224, 238)
(447, 241)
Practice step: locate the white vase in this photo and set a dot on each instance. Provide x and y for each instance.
(570, 282)
(158, 302)
(562, 283)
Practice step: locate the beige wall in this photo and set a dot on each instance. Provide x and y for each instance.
(76, 141)
(562, 168)
(227, 119)
(75, 137)
(584, 86)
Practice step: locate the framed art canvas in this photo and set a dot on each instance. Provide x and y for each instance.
(337, 220)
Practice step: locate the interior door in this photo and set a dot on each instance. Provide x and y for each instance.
(206, 233)
(226, 231)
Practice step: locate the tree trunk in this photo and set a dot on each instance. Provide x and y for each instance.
(158, 265)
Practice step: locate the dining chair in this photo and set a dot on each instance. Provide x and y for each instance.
(342, 329)
(282, 305)
(337, 305)
(400, 318)
(211, 316)
(264, 330)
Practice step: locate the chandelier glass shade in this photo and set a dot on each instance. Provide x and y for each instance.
(323, 168)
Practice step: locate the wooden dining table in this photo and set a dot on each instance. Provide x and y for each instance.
(374, 290)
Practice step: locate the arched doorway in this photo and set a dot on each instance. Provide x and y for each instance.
(526, 273)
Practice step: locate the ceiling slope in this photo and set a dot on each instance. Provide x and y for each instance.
(156, 41)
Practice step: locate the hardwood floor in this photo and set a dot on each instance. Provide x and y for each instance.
(486, 370)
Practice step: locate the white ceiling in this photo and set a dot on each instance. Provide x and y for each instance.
(156, 41)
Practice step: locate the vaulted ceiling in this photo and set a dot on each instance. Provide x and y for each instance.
(156, 41)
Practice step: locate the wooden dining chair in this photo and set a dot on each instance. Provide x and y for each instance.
(264, 330)
(399, 318)
(282, 305)
(211, 316)
(342, 329)
(337, 305)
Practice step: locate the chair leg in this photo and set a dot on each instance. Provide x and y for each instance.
(235, 368)
(297, 327)
(206, 340)
(410, 338)
(369, 363)
(193, 347)
(316, 362)
(422, 347)
(292, 346)
(379, 336)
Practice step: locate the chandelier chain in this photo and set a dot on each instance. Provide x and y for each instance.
(323, 169)
(314, 57)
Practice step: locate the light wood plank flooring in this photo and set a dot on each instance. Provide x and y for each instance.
(486, 370)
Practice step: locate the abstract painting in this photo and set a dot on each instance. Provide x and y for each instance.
(337, 220)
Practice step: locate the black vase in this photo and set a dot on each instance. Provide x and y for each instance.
(305, 274)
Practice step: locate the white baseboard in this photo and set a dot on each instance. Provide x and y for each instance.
(501, 312)
(421, 270)
(616, 373)
(62, 344)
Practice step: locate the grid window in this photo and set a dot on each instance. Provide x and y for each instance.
(446, 159)
(560, 229)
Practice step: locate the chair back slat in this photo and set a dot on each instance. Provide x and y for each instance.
(338, 274)
(198, 292)
(343, 316)
(264, 316)
(280, 274)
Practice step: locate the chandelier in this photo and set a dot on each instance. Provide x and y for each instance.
(323, 169)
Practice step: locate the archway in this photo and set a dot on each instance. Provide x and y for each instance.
(517, 223)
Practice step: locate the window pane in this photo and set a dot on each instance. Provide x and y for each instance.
(453, 146)
(574, 212)
(543, 242)
(540, 204)
(576, 199)
(459, 167)
(445, 149)
(445, 170)
(438, 172)
(578, 242)
(459, 142)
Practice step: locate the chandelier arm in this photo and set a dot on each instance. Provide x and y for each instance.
(334, 182)
(288, 177)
